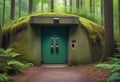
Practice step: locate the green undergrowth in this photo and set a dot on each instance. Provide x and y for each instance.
(11, 63)
(113, 64)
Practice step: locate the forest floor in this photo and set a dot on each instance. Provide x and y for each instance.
(82, 73)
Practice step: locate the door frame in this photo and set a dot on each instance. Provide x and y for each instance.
(58, 26)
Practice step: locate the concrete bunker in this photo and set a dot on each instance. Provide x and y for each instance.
(55, 38)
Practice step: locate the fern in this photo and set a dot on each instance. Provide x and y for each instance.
(10, 63)
(18, 64)
(8, 53)
(116, 68)
(104, 65)
(113, 59)
(115, 76)
(4, 78)
(114, 65)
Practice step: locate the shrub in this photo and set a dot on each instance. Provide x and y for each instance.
(4, 78)
(10, 64)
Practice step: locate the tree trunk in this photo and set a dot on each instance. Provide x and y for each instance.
(70, 5)
(102, 16)
(65, 5)
(119, 14)
(52, 5)
(42, 5)
(77, 5)
(3, 18)
(108, 21)
(81, 3)
(93, 7)
(91, 1)
(30, 6)
(12, 11)
(0, 35)
(19, 8)
(34, 7)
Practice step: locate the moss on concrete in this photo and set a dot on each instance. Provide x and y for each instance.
(19, 27)
(95, 31)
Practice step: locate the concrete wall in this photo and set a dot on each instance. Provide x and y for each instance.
(36, 44)
(21, 42)
(30, 45)
(82, 53)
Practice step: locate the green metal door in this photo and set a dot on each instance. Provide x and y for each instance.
(54, 45)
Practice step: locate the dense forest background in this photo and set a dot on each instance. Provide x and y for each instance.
(104, 12)
(91, 9)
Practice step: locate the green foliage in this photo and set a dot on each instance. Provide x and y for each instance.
(4, 78)
(10, 60)
(114, 65)
(10, 63)
(114, 77)
(8, 53)
(18, 64)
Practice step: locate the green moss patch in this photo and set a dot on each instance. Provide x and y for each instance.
(95, 31)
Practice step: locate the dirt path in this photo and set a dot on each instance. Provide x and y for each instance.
(63, 74)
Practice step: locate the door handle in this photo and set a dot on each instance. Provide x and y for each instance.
(52, 45)
(57, 49)
(52, 49)
(57, 45)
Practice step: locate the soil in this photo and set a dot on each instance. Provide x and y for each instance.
(82, 73)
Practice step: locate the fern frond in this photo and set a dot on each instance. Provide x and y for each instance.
(115, 76)
(116, 68)
(113, 59)
(4, 78)
(17, 64)
(103, 65)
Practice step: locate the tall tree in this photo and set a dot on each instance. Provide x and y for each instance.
(12, 11)
(3, 17)
(70, 5)
(42, 5)
(65, 5)
(34, 7)
(19, 8)
(102, 12)
(108, 22)
(77, 4)
(91, 1)
(52, 5)
(93, 7)
(119, 14)
(81, 3)
(30, 6)
(0, 35)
